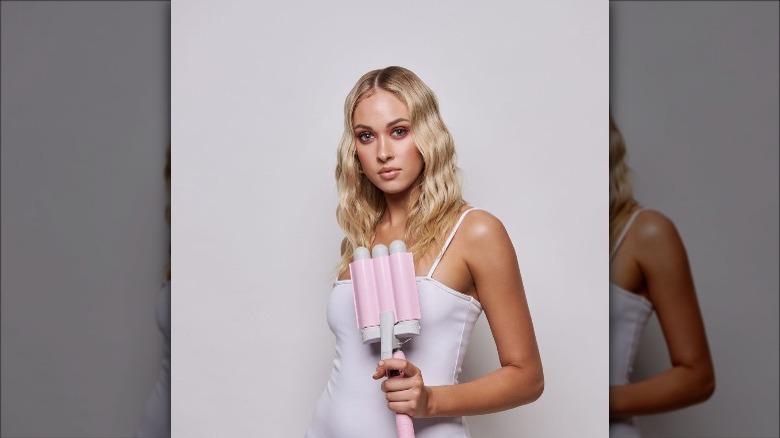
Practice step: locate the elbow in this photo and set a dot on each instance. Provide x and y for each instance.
(535, 388)
(707, 388)
(526, 386)
(701, 393)
(538, 389)
(706, 384)
(701, 385)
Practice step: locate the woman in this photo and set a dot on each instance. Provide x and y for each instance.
(649, 271)
(156, 419)
(396, 179)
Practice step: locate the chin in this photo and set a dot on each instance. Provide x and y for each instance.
(393, 189)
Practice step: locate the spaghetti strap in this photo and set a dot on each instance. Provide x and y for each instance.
(624, 232)
(449, 239)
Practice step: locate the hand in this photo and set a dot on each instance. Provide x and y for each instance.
(406, 394)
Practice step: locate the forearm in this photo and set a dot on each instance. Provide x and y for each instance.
(678, 387)
(503, 389)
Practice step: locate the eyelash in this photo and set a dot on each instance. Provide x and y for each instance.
(400, 129)
(361, 135)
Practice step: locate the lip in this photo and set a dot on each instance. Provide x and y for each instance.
(388, 173)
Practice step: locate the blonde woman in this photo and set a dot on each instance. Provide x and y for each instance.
(396, 178)
(649, 272)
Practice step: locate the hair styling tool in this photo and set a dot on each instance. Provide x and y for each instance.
(387, 305)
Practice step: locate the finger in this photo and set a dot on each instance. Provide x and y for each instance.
(403, 407)
(394, 385)
(407, 367)
(383, 371)
(400, 396)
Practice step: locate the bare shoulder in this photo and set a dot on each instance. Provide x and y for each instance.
(657, 243)
(481, 228)
(491, 260)
(653, 228)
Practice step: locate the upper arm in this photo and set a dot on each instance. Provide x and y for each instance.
(664, 265)
(492, 261)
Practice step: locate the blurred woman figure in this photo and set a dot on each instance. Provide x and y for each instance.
(649, 272)
(156, 420)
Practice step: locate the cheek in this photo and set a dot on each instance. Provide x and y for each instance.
(413, 155)
(360, 157)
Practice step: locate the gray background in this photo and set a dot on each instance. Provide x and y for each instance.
(257, 96)
(85, 122)
(694, 88)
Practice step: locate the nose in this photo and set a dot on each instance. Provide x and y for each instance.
(384, 150)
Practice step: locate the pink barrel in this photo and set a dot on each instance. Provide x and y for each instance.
(407, 303)
(384, 284)
(365, 291)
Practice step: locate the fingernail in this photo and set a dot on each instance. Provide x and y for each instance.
(381, 362)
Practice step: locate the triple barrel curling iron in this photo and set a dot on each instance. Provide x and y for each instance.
(386, 304)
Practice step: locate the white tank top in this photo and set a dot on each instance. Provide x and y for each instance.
(628, 314)
(353, 404)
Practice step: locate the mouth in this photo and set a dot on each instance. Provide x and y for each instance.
(388, 173)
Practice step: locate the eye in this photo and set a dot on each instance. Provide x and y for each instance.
(365, 137)
(399, 132)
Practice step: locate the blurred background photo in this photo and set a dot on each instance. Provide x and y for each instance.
(694, 90)
(85, 126)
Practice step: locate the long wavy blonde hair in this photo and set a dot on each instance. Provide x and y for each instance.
(621, 193)
(436, 195)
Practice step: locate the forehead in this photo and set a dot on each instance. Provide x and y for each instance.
(382, 105)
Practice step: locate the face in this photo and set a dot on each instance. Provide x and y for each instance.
(384, 143)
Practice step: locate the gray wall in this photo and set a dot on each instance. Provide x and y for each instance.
(84, 241)
(694, 88)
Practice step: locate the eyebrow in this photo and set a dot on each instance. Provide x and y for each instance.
(398, 120)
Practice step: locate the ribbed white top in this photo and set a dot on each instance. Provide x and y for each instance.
(628, 314)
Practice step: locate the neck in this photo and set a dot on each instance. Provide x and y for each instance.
(397, 209)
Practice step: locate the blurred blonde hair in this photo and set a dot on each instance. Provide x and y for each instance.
(621, 194)
(436, 195)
